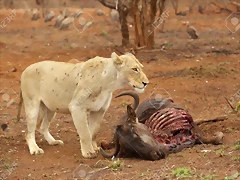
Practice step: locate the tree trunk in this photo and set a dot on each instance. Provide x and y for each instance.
(143, 23)
(175, 5)
(123, 11)
(41, 3)
(124, 27)
(139, 40)
(150, 30)
(8, 4)
(192, 5)
(143, 12)
(162, 17)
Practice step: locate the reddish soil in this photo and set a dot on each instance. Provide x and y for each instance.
(197, 74)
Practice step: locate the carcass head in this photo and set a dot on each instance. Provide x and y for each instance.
(134, 139)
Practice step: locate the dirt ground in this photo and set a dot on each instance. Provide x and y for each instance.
(197, 74)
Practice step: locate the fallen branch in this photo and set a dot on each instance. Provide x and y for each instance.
(229, 104)
(201, 121)
(109, 4)
(237, 5)
(221, 9)
(149, 51)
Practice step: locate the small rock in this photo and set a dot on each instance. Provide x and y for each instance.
(66, 22)
(114, 15)
(99, 12)
(14, 69)
(50, 15)
(35, 15)
(77, 13)
(4, 126)
(59, 20)
(74, 45)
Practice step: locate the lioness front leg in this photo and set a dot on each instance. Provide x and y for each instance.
(95, 119)
(80, 119)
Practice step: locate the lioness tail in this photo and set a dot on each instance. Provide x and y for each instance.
(19, 107)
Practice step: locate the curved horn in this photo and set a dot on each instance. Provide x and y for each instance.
(132, 94)
(116, 151)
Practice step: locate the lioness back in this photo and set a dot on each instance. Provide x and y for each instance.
(55, 82)
(51, 82)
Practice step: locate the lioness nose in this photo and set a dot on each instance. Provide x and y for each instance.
(144, 83)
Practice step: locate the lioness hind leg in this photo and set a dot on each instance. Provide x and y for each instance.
(95, 119)
(32, 109)
(46, 116)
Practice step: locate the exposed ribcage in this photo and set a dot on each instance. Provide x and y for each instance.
(171, 126)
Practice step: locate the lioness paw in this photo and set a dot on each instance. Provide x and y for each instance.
(89, 155)
(56, 142)
(88, 150)
(36, 151)
(95, 147)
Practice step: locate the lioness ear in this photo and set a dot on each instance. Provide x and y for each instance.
(116, 59)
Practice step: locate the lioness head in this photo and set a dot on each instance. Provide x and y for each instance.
(131, 70)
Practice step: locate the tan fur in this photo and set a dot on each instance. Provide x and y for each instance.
(83, 90)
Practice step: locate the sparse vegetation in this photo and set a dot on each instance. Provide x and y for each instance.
(116, 164)
(234, 176)
(236, 158)
(229, 130)
(237, 108)
(183, 172)
(237, 146)
(207, 177)
(220, 152)
(104, 32)
(124, 103)
(6, 166)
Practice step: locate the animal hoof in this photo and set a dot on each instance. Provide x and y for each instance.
(90, 155)
(219, 137)
(56, 142)
(36, 151)
(105, 145)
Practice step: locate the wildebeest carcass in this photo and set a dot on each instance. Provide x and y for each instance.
(172, 125)
(133, 138)
(169, 124)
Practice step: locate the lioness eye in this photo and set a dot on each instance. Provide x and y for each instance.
(135, 69)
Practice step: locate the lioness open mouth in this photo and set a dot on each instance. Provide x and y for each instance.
(139, 87)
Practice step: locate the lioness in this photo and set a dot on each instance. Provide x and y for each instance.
(83, 89)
